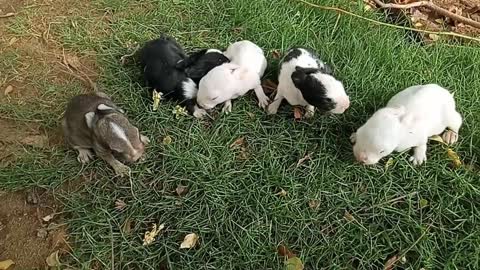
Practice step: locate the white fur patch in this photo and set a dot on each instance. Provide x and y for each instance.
(89, 119)
(119, 132)
(213, 50)
(190, 89)
(103, 107)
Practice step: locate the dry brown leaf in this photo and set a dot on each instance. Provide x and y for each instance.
(434, 37)
(281, 193)
(269, 86)
(12, 41)
(72, 61)
(48, 217)
(189, 241)
(53, 260)
(4, 265)
(390, 264)
(8, 90)
(149, 236)
(297, 113)
(437, 139)
(39, 141)
(181, 190)
(348, 216)
(294, 263)
(305, 158)
(285, 252)
(167, 140)
(127, 226)
(455, 158)
(238, 142)
(251, 115)
(313, 204)
(120, 205)
(276, 54)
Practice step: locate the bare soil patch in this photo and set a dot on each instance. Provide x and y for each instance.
(25, 237)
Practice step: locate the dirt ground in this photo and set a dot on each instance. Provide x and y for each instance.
(25, 236)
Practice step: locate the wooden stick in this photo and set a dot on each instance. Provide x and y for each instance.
(432, 6)
(11, 14)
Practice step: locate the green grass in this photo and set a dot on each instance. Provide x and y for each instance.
(231, 203)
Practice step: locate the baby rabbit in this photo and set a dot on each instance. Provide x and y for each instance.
(408, 120)
(248, 55)
(306, 81)
(224, 83)
(94, 122)
(199, 63)
(158, 60)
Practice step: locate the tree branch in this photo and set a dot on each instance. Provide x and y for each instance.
(432, 6)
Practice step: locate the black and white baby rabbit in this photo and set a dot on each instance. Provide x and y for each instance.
(159, 59)
(199, 63)
(307, 81)
(94, 122)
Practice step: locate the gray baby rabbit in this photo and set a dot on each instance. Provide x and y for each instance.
(94, 122)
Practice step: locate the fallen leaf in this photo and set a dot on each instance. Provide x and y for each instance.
(120, 205)
(281, 193)
(313, 204)
(12, 40)
(238, 142)
(189, 241)
(156, 96)
(423, 203)
(297, 113)
(127, 226)
(389, 163)
(454, 157)
(48, 218)
(294, 263)
(53, 260)
(403, 260)
(149, 236)
(42, 233)
(439, 21)
(4, 265)
(348, 216)
(276, 54)
(434, 37)
(8, 90)
(167, 140)
(179, 111)
(251, 115)
(390, 264)
(181, 190)
(306, 157)
(72, 61)
(437, 139)
(39, 141)
(285, 252)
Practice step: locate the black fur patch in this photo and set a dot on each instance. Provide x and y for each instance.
(292, 54)
(313, 91)
(158, 60)
(198, 64)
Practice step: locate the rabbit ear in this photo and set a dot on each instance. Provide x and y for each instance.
(326, 69)
(89, 119)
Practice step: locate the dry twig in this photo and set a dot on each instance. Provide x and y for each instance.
(11, 14)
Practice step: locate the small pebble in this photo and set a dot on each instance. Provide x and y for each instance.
(42, 233)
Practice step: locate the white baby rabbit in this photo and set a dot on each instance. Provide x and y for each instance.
(224, 83)
(305, 80)
(408, 120)
(250, 56)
